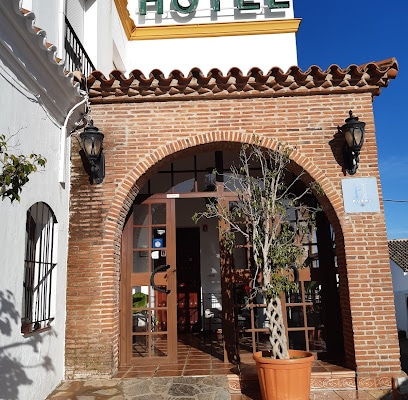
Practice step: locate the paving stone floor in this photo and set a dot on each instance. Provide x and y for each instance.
(185, 388)
(200, 375)
(182, 388)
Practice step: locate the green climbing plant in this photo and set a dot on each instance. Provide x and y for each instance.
(15, 170)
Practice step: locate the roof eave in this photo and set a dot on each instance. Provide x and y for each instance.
(25, 51)
(116, 88)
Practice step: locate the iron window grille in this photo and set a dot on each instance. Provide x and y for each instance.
(39, 266)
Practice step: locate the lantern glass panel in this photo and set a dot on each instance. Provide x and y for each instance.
(97, 142)
(88, 145)
(348, 134)
(92, 144)
(358, 136)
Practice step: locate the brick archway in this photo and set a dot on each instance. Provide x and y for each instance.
(138, 175)
(182, 148)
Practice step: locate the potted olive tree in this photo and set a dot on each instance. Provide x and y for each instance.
(268, 196)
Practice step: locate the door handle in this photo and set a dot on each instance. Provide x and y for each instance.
(163, 268)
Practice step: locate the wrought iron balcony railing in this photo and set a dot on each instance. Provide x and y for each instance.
(76, 58)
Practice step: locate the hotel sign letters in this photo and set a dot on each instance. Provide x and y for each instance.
(216, 5)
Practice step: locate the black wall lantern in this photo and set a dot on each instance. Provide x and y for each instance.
(91, 143)
(353, 131)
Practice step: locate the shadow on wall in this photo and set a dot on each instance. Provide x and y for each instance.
(12, 372)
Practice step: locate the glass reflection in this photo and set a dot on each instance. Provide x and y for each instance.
(158, 214)
(159, 345)
(140, 261)
(140, 238)
(140, 214)
(140, 345)
(183, 183)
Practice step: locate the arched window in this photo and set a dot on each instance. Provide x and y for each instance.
(39, 268)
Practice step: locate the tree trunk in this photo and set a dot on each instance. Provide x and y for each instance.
(277, 335)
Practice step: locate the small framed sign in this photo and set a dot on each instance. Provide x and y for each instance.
(158, 243)
(360, 195)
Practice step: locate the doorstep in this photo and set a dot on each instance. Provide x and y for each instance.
(331, 376)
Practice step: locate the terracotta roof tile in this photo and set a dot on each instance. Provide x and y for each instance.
(369, 77)
(398, 249)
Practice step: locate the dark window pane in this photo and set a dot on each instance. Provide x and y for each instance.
(183, 183)
(140, 238)
(140, 261)
(158, 214)
(295, 316)
(140, 214)
(297, 340)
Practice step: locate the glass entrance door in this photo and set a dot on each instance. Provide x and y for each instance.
(148, 323)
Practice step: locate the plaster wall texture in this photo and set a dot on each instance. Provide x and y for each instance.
(119, 38)
(47, 17)
(224, 53)
(33, 365)
(399, 278)
(244, 51)
(400, 284)
(91, 22)
(100, 30)
(98, 42)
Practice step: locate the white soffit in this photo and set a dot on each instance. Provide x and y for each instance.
(24, 50)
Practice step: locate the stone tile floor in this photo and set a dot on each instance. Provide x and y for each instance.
(200, 374)
(160, 388)
(185, 388)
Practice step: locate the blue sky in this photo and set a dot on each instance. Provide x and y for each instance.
(356, 32)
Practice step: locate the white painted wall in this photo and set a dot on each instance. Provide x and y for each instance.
(47, 13)
(120, 42)
(103, 37)
(224, 53)
(39, 358)
(90, 19)
(75, 12)
(36, 97)
(400, 284)
(98, 40)
(50, 18)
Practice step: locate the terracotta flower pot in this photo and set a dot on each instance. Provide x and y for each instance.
(285, 379)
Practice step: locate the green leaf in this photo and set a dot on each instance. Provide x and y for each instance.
(15, 170)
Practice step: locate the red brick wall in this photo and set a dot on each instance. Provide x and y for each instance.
(139, 135)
